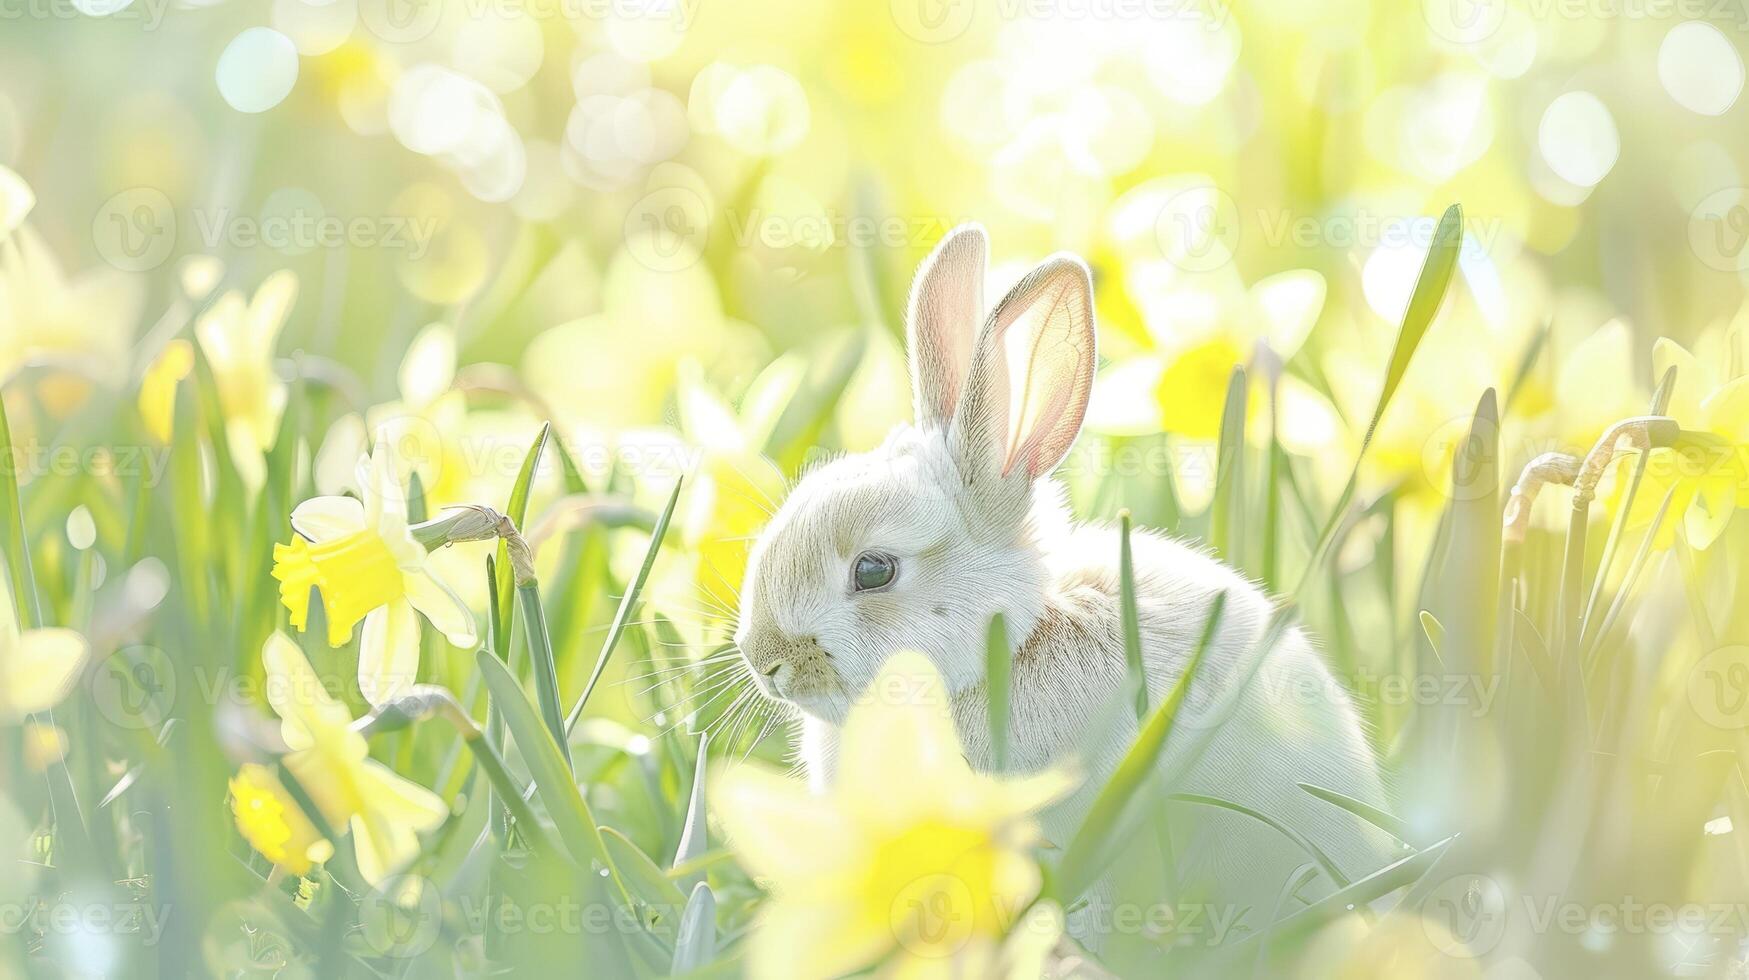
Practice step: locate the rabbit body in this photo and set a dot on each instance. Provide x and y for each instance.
(1292, 724)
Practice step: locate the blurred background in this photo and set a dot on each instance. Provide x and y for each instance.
(683, 231)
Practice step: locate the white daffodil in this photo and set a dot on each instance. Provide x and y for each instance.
(38, 668)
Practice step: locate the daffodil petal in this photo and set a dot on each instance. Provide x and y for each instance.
(815, 939)
(1119, 405)
(904, 735)
(270, 306)
(428, 369)
(388, 652)
(39, 671)
(393, 812)
(439, 604)
(1290, 303)
(16, 200)
(1706, 517)
(1684, 402)
(325, 518)
(297, 695)
(765, 814)
(1726, 411)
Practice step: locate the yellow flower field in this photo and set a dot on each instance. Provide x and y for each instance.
(962, 488)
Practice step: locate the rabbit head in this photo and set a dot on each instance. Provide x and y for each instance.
(916, 544)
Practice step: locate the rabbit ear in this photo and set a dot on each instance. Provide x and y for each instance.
(1032, 372)
(947, 301)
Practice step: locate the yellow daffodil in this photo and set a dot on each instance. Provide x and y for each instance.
(1707, 477)
(384, 812)
(270, 820)
(38, 667)
(365, 563)
(911, 860)
(1202, 326)
(158, 388)
(735, 487)
(426, 424)
(237, 339)
(44, 746)
(83, 323)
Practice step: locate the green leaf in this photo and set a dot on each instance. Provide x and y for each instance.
(1435, 633)
(998, 668)
(644, 877)
(1121, 802)
(1424, 302)
(626, 605)
(546, 766)
(697, 945)
(694, 834)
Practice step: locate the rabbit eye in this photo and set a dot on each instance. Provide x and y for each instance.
(873, 570)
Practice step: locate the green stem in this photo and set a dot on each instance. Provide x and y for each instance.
(540, 654)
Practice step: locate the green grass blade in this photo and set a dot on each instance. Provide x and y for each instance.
(1312, 850)
(694, 833)
(1618, 529)
(1435, 634)
(1406, 872)
(998, 670)
(1430, 288)
(1365, 811)
(697, 944)
(1228, 506)
(1132, 626)
(546, 676)
(18, 569)
(1121, 801)
(626, 605)
(552, 778)
(517, 511)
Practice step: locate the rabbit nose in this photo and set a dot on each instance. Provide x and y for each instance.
(777, 677)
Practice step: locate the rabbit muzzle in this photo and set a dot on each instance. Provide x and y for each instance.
(789, 668)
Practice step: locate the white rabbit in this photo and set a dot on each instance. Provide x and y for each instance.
(919, 542)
